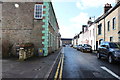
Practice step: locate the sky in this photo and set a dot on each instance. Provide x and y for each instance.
(72, 14)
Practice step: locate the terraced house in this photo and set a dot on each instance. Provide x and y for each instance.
(108, 25)
(29, 22)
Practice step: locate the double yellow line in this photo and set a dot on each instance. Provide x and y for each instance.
(58, 74)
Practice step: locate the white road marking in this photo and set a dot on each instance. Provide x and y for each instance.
(109, 71)
(61, 70)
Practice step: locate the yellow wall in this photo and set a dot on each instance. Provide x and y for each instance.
(113, 32)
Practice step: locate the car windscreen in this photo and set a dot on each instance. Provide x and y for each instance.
(86, 45)
(113, 45)
(118, 44)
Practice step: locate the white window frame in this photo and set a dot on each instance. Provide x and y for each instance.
(35, 10)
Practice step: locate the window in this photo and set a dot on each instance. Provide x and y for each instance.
(90, 33)
(99, 29)
(38, 11)
(100, 41)
(104, 46)
(113, 45)
(114, 23)
(119, 39)
(108, 25)
(111, 39)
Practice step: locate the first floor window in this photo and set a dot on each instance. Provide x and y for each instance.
(99, 29)
(114, 23)
(38, 11)
(108, 25)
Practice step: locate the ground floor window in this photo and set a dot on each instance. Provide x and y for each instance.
(111, 39)
(119, 39)
(100, 41)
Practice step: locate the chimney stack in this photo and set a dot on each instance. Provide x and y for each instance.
(116, 1)
(107, 7)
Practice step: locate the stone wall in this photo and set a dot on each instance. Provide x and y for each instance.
(0, 30)
(19, 26)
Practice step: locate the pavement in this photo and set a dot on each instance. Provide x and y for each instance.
(32, 68)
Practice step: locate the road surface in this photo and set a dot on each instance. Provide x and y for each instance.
(86, 65)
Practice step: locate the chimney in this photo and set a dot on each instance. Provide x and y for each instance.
(89, 22)
(107, 7)
(116, 1)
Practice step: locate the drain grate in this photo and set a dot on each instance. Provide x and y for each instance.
(37, 69)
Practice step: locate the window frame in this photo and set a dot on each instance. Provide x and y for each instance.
(111, 38)
(101, 41)
(108, 26)
(114, 23)
(40, 12)
(100, 29)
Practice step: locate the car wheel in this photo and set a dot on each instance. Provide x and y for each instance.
(98, 56)
(110, 59)
(83, 51)
(91, 51)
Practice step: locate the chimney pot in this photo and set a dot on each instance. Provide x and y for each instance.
(117, 1)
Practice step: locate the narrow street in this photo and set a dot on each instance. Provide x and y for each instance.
(86, 65)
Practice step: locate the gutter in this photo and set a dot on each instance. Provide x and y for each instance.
(48, 75)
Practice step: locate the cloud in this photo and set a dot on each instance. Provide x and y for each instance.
(67, 31)
(81, 19)
(76, 25)
(83, 4)
(79, 5)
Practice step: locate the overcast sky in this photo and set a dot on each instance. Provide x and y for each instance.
(72, 14)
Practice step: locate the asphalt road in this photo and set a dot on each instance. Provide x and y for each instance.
(78, 65)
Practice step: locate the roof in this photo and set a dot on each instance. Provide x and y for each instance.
(66, 38)
(107, 13)
(54, 14)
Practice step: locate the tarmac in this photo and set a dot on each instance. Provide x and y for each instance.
(32, 68)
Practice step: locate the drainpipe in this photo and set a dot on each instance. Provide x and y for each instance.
(104, 29)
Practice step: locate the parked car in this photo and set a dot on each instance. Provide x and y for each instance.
(86, 48)
(71, 45)
(64, 45)
(75, 46)
(79, 47)
(109, 50)
(118, 43)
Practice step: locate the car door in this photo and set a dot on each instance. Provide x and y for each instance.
(101, 48)
(105, 49)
